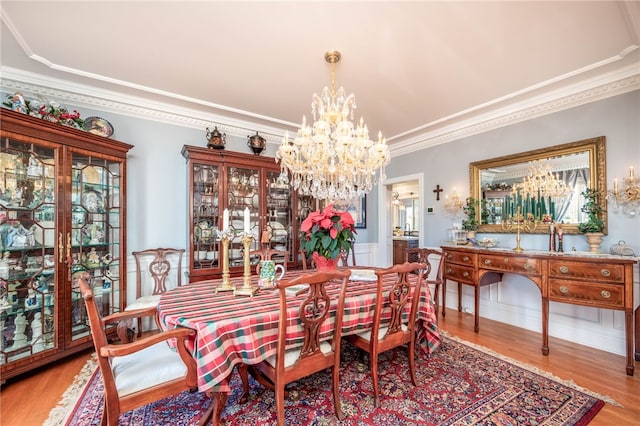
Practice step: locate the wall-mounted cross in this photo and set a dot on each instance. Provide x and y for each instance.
(438, 190)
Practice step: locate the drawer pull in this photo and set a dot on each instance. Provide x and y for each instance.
(449, 270)
(564, 269)
(465, 258)
(465, 274)
(606, 294)
(605, 272)
(449, 256)
(487, 261)
(527, 266)
(564, 289)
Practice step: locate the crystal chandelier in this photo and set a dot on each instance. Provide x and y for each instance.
(541, 182)
(333, 158)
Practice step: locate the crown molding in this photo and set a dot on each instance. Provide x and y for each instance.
(34, 85)
(570, 97)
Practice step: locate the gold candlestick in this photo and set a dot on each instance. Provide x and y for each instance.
(519, 222)
(247, 289)
(225, 236)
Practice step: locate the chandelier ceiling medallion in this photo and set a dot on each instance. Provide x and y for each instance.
(333, 158)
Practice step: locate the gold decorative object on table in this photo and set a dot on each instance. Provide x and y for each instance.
(225, 237)
(519, 221)
(247, 289)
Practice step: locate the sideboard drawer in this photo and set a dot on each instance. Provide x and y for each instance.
(522, 265)
(461, 274)
(586, 271)
(461, 258)
(591, 294)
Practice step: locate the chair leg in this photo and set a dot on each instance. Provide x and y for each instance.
(280, 403)
(412, 362)
(373, 358)
(336, 392)
(436, 291)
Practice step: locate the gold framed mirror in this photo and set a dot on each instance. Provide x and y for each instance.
(576, 165)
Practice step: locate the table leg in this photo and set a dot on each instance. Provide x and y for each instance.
(545, 326)
(476, 295)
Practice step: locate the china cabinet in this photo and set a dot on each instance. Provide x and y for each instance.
(62, 214)
(239, 183)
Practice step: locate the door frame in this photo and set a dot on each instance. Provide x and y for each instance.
(385, 231)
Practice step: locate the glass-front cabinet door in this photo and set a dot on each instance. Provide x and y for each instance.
(279, 214)
(62, 211)
(93, 239)
(243, 204)
(28, 236)
(206, 216)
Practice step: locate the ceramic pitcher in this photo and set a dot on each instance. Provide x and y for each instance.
(269, 273)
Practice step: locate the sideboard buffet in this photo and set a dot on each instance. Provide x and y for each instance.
(62, 213)
(599, 281)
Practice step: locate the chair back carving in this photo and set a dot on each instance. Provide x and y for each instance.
(345, 254)
(431, 257)
(157, 263)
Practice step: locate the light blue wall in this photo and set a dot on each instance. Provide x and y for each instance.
(617, 118)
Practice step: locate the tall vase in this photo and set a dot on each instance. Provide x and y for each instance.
(324, 264)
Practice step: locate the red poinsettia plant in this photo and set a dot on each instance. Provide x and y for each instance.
(328, 232)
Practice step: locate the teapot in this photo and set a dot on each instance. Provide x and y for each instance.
(256, 143)
(269, 273)
(216, 139)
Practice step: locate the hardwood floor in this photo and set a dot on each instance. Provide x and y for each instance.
(27, 400)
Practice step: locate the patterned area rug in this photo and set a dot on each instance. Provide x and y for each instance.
(461, 384)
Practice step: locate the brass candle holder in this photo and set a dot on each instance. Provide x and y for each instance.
(519, 222)
(247, 289)
(225, 237)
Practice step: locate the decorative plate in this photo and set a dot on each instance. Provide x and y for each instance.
(98, 126)
(93, 201)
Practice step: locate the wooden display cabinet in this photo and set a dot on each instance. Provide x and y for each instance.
(400, 249)
(219, 179)
(62, 213)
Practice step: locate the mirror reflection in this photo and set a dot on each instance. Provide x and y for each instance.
(541, 186)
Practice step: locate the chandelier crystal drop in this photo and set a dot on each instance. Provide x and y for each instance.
(333, 158)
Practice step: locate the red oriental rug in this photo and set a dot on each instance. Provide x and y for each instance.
(461, 384)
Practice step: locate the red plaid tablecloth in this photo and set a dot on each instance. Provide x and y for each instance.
(232, 329)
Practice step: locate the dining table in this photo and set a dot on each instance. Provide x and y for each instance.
(243, 330)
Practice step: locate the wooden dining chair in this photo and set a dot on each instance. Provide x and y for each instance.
(432, 276)
(157, 270)
(270, 254)
(138, 373)
(399, 329)
(304, 352)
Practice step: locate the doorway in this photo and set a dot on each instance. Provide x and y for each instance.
(410, 190)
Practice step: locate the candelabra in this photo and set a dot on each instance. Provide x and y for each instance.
(225, 237)
(519, 222)
(629, 196)
(247, 289)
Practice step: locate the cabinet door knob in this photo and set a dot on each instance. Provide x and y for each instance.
(605, 272)
(606, 294)
(564, 290)
(60, 247)
(487, 261)
(564, 269)
(527, 266)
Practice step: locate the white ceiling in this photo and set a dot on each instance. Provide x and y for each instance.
(418, 69)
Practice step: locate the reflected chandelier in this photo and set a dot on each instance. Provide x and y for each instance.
(541, 182)
(333, 158)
